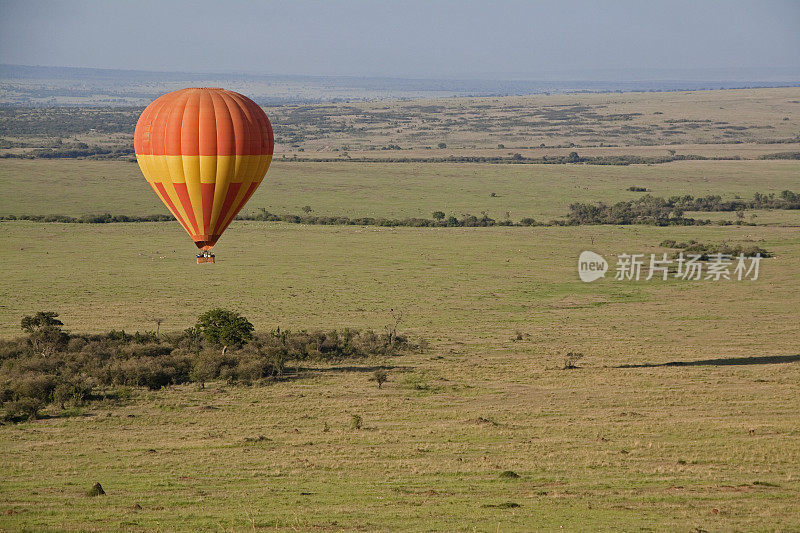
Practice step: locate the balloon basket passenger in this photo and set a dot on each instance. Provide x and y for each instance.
(205, 257)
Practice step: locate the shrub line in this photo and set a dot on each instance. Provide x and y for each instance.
(50, 366)
(648, 210)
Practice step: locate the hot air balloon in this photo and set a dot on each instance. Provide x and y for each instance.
(204, 151)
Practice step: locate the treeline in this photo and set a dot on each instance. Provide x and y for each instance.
(571, 158)
(67, 121)
(440, 220)
(74, 150)
(647, 209)
(784, 200)
(52, 367)
(105, 218)
(781, 155)
(705, 250)
(658, 211)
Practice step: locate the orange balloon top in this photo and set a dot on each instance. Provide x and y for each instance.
(203, 121)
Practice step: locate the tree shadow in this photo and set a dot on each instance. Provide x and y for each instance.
(724, 361)
(349, 368)
(294, 373)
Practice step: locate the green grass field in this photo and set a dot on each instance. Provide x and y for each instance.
(76, 187)
(624, 442)
(597, 447)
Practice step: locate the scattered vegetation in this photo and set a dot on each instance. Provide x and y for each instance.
(571, 360)
(664, 212)
(439, 220)
(785, 200)
(647, 209)
(781, 155)
(105, 218)
(706, 250)
(50, 366)
(254, 440)
(75, 150)
(517, 158)
(504, 505)
(67, 121)
(96, 490)
(450, 427)
(380, 377)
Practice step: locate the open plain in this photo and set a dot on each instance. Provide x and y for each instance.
(682, 414)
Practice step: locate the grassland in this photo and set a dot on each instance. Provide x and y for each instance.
(525, 123)
(79, 187)
(625, 442)
(598, 447)
(740, 123)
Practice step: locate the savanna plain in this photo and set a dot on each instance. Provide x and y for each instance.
(681, 414)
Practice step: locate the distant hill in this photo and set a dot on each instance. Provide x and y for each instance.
(22, 85)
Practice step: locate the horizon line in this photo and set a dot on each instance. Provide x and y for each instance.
(545, 75)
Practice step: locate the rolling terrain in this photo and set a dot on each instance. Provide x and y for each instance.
(682, 413)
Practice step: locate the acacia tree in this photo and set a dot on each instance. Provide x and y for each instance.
(42, 319)
(44, 332)
(225, 328)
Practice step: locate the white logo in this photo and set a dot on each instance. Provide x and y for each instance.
(633, 267)
(591, 266)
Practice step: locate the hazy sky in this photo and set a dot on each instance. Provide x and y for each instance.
(413, 38)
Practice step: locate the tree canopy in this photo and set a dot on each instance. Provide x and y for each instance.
(223, 327)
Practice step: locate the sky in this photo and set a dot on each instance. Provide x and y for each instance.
(412, 38)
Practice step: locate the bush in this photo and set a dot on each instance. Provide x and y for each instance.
(150, 372)
(22, 395)
(23, 409)
(33, 386)
(571, 360)
(11, 349)
(248, 369)
(781, 155)
(76, 344)
(207, 366)
(48, 340)
(44, 332)
(226, 328)
(145, 350)
(42, 319)
(380, 377)
(75, 391)
(705, 251)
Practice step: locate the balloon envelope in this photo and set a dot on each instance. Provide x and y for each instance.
(204, 151)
